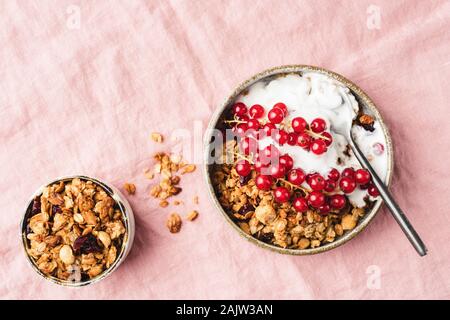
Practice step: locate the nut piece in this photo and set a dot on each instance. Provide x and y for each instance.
(95, 270)
(348, 222)
(315, 243)
(188, 168)
(47, 266)
(338, 229)
(89, 217)
(104, 238)
(78, 218)
(366, 119)
(303, 243)
(265, 213)
(130, 188)
(149, 174)
(66, 255)
(157, 137)
(245, 227)
(111, 257)
(192, 215)
(52, 241)
(163, 203)
(174, 223)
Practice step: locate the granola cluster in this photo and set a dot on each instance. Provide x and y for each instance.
(258, 214)
(169, 168)
(75, 230)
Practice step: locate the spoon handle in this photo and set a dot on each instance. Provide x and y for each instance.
(398, 214)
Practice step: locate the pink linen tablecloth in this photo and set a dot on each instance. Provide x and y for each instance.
(84, 83)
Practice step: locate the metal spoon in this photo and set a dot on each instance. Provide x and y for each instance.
(398, 214)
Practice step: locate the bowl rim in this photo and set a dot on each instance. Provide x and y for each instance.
(128, 217)
(361, 97)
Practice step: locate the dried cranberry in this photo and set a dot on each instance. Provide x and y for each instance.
(266, 237)
(244, 180)
(56, 209)
(246, 208)
(36, 206)
(84, 277)
(86, 244)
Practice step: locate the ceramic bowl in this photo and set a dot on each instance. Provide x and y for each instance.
(363, 100)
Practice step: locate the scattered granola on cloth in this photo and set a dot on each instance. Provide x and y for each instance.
(157, 137)
(130, 188)
(173, 223)
(170, 167)
(75, 230)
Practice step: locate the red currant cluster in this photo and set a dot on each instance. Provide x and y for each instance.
(249, 122)
(319, 196)
(272, 167)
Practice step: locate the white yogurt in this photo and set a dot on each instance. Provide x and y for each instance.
(315, 95)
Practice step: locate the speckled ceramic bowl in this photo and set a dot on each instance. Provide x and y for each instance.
(363, 101)
(128, 218)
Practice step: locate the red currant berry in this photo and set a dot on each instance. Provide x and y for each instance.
(239, 109)
(281, 194)
(299, 124)
(347, 184)
(282, 107)
(287, 161)
(324, 209)
(292, 139)
(318, 125)
(243, 168)
(330, 185)
(318, 147)
(334, 174)
(275, 116)
(300, 204)
(304, 140)
(243, 117)
(240, 129)
(270, 153)
(348, 172)
(268, 128)
(329, 138)
(281, 137)
(316, 199)
(248, 145)
(277, 171)
(373, 191)
(263, 182)
(296, 176)
(309, 176)
(256, 111)
(338, 201)
(253, 124)
(317, 182)
(362, 176)
(260, 166)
